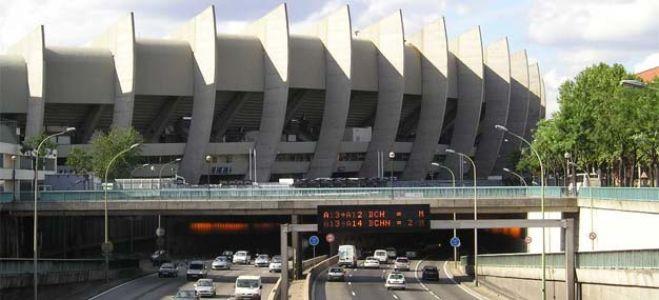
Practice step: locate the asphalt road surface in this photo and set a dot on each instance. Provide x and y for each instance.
(153, 288)
(368, 284)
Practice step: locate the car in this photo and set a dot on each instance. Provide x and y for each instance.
(391, 252)
(348, 256)
(196, 269)
(167, 270)
(159, 257)
(185, 295)
(248, 287)
(228, 254)
(275, 264)
(205, 287)
(262, 260)
(430, 273)
(336, 274)
(221, 263)
(395, 281)
(402, 264)
(241, 257)
(381, 255)
(372, 262)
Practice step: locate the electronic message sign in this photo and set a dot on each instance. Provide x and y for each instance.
(374, 218)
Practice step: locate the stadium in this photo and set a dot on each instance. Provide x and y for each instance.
(330, 101)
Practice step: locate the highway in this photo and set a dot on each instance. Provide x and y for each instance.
(151, 287)
(368, 284)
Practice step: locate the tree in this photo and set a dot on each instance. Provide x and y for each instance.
(104, 146)
(32, 143)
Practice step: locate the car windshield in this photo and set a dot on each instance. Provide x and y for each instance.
(247, 283)
(167, 266)
(227, 253)
(396, 276)
(205, 283)
(241, 254)
(380, 253)
(428, 268)
(186, 294)
(401, 260)
(221, 258)
(336, 270)
(263, 257)
(276, 259)
(196, 266)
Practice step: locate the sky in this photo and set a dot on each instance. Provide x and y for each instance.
(563, 36)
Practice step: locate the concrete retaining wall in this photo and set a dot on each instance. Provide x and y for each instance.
(313, 273)
(274, 294)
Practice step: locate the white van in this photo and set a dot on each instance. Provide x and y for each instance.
(196, 270)
(347, 256)
(381, 255)
(248, 287)
(241, 257)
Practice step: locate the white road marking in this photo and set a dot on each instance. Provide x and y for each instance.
(416, 275)
(116, 287)
(395, 297)
(349, 283)
(353, 293)
(450, 276)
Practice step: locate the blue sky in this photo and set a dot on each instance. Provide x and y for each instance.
(564, 36)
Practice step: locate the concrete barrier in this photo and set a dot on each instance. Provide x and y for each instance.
(313, 273)
(274, 294)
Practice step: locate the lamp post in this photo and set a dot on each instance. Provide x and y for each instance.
(455, 249)
(13, 176)
(140, 167)
(521, 179)
(473, 165)
(542, 203)
(107, 247)
(392, 155)
(160, 184)
(208, 174)
(567, 157)
(36, 193)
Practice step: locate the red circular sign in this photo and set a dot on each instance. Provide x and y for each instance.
(330, 237)
(528, 239)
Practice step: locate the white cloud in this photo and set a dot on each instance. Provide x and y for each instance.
(553, 80)
(649, 62)
(624, 23)
(231, 26)
(415, 13)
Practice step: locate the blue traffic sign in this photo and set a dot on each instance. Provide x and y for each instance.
(455, 242)
(314, 240)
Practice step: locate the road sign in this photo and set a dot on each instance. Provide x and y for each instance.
(314, 240)
(330, 238)
(455, 242)
(107, 248)
(528, 239)
(592, 235)
(374, 218)
(160, 232)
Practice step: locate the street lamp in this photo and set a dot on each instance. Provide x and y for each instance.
(107, 246)
(473, 165)
(567, 157)
(36, 193)
(542, 202)
(13, 175)
(521, 179)
(636, 84)
(455, 249)
(392, 155)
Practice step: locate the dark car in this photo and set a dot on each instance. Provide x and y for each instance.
(159, 257)
(430, 273)
(167, 270)
(228, 254)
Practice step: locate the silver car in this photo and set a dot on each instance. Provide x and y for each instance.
(263, 260)
(402, 264)
(221, 263)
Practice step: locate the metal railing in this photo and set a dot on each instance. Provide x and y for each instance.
(620, 193)
(299, 194)
(622, 259)
(22, 266)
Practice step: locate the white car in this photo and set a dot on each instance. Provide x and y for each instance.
(402, 264)
(381, 255)
(221, 263)
(205, 288)
(371, 262)
(275, 264)
(248, 287)
(395, 281)
(241, 257)
(263, 260)
(196, 269)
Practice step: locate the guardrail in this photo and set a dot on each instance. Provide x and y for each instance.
(301, 193)
(22, 266)
(620, 193)
(624, 259)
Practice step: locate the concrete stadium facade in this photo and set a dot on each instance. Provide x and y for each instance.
(267, 103)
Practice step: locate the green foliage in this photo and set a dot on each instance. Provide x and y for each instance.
(33, 142)
(104, 147)
(599, 122)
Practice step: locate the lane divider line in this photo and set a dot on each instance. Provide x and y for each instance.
(468, 291)
(395, 297)
(353, 293)
(416, 276)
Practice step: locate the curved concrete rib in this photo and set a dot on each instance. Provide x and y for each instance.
(432, 43)
(519, 102)
(31, 48)
(543, 103)
(470, 96)
(534, 101)
(497, 101)
(272, 31)
(120, 40)
(335, 32)
(388, 37)
(201, 34)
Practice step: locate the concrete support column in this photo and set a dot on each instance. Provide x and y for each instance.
(388, 37)
(335, 32)
(297, 245)
(431, 41)
(201, 34)
(32, 48)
